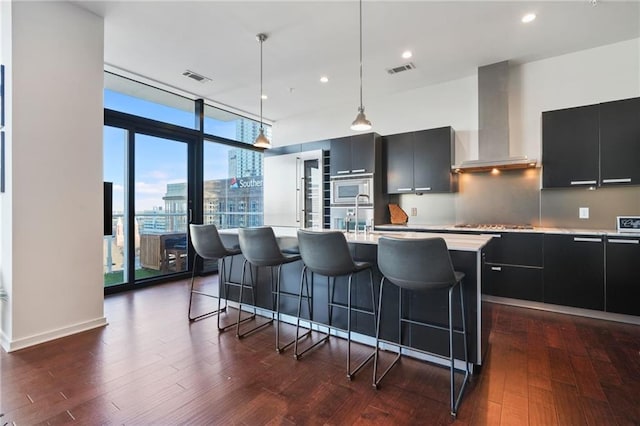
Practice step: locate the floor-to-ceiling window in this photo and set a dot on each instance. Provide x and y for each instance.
(170, 168)
(232, 186)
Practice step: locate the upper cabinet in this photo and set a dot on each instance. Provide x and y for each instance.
(354, 154)
(620, 142)
(570, 147)
(593, 145)
(419, 162)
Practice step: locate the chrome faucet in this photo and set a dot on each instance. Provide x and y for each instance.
(355, 228)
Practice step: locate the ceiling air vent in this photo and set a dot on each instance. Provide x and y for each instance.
(197, 77)
(401, 68)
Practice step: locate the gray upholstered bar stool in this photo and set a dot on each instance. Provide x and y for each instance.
(260, 248)
(327, 254)
(421, 265)
(208, 245)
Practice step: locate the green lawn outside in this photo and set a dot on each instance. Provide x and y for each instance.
(115, 278)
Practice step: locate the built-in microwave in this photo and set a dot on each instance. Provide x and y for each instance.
(345, 189)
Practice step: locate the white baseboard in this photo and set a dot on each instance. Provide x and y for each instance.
(36, 339)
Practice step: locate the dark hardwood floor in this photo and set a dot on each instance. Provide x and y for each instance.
(151, 366)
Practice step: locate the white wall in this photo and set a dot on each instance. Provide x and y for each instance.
(590, 76)
(452, 103)
(52, 210)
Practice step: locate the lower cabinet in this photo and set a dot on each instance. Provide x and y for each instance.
(574, 270)
(513, 266)
(516, 282)
(622, 272)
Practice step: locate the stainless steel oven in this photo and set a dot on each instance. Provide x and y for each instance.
(344, 190)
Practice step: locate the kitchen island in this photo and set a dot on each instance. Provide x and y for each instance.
(466, 255)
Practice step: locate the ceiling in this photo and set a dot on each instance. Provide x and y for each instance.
(307, 39)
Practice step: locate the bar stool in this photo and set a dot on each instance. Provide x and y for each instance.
(327, 254)
(421, 265)
(208, 245)
(259, 247)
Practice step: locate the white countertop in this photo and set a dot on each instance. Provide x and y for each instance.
(403, 228)
(460, 242)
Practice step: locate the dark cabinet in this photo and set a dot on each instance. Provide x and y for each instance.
(620, 142)
(419, 162)
(515, 248)
(593, 145)
(622, 272)
(399, 155)
(513, 266)
(570, 144)
(574, 270)
(354, 154)
(515, 282)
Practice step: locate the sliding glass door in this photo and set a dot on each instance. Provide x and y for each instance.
(115, 243)
(161, 206)
(152, 200)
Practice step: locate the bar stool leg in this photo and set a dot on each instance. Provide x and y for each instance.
(242, 286)
(225, 290)
(376, 380)
(451, 358)
(467, 372)
(304, 282)
(280, 348)
(349, 375)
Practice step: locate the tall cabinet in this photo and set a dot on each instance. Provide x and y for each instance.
(361, 154)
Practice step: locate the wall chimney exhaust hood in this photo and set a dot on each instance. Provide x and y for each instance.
(493, 122)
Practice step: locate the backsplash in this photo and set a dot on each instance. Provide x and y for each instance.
(560, 206)
(514, 197)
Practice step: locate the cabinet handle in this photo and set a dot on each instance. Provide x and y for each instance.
(424, 189)
(587, 240)
(404, 189)
(492, 235)
(583, 182)
(496, 268)
(614, 241)
(358, 171)
(621, 180)
(342, 172)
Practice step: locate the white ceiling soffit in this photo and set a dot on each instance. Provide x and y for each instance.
(307, 39)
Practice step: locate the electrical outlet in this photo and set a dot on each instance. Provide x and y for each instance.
(583, 213)
(414, 211)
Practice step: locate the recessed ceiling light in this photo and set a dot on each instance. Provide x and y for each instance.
(264, 96)
(407, 54)
(529, 17)
(324, 79)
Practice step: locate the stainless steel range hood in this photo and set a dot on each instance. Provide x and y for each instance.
(493, 123)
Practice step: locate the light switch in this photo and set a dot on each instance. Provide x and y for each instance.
(583, 213)
(414, 211)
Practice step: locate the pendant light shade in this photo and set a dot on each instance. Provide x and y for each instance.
(261, 141)
(361, 123)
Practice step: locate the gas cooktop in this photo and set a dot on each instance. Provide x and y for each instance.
(493, 226)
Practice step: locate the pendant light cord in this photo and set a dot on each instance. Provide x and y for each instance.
(361, 107)
(261, 41)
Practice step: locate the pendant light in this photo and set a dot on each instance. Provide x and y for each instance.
(261, 141)
(361, 123)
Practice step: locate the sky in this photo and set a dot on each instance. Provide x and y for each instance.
(158, 161)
